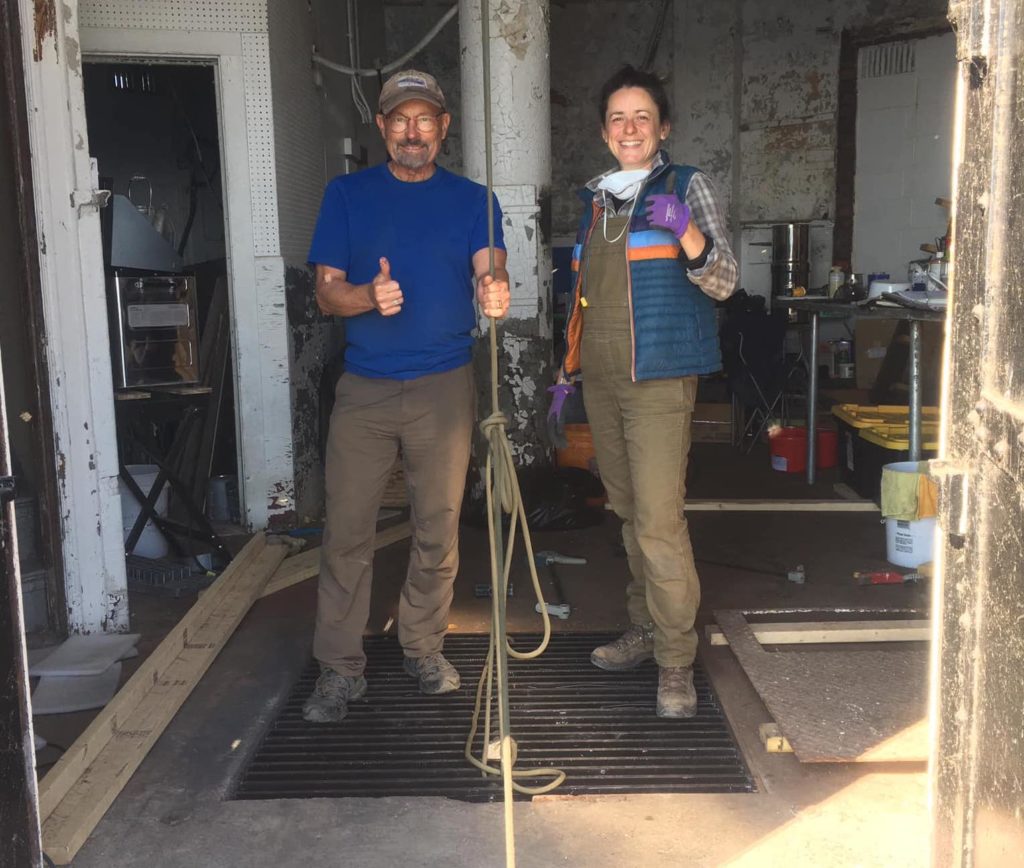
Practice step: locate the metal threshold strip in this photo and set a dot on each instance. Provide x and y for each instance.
(599, 727)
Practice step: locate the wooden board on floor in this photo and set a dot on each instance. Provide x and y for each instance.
(81, 787)
(699, 505)
(856, 705)
(306, 565)
(773, 739)
(831, 632)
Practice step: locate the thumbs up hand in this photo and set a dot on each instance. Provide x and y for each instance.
(385, 293)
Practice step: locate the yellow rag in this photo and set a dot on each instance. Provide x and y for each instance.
(927, 493)
(908, 496)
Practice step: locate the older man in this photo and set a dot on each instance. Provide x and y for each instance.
(397, 250)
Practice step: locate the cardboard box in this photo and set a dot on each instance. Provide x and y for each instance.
(712, 423)
(871, 342)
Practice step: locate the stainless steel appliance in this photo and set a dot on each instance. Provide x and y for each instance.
(153, 330)
(790, 259)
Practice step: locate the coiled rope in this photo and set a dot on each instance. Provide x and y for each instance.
(503, 496)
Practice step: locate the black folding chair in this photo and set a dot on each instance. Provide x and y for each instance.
(762, 378)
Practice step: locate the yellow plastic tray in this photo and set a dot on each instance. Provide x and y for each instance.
(868, 416)
(897, 437)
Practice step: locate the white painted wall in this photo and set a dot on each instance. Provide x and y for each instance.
(298, 138)
(904, 158)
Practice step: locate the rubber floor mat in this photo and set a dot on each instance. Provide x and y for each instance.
(598, 727)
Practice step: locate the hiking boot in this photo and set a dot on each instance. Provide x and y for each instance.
(676, 694)
(434, 672)
(328, 703)
(631, 649)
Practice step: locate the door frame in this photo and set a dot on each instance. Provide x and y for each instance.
(15, 117)
(73, 295)
(19, 792)
(977, 654)
(255, 270)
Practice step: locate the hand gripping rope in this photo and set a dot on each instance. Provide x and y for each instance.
(503, 496)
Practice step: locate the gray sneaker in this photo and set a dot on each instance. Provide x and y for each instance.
(328, 703)
(434, 672)
(628, 651)
(676, 694)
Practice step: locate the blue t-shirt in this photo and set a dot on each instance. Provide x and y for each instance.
(429, 231)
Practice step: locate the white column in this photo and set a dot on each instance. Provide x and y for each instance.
(521, 167)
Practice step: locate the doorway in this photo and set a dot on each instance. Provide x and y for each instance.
(154, 134)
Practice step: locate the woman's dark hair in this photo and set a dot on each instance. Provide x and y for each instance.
(629, 76)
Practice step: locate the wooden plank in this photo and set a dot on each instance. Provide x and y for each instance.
(825, 632)
(699, 505)
(773, 739)
(55, 785)
(293, 570)
(71, 822)
(306, 565)
(780, 506)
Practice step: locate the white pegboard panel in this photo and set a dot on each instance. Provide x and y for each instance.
(298, 138)
(232, 16)
(260, 129)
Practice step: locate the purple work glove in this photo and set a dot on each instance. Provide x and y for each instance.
(665, 211)
(556, 424)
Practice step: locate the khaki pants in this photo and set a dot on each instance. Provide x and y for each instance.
(641, 437)
(431, 418)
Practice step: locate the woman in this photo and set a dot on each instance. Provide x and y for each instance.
(652, 256)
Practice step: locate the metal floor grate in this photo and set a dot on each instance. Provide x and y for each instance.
(599, 727)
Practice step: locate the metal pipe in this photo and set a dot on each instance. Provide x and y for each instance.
(915, 390)
(812, 400)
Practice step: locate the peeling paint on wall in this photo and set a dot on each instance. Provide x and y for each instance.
(515, 26)
(524, 360)
(787, 65)
(310, 335)
(45, 21)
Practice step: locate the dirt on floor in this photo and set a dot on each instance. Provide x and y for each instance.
(175, 812)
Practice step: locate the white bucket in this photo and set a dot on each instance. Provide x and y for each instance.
(151, 543)
(909, 543)
(222, 498)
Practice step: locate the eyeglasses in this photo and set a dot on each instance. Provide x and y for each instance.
(424, 123)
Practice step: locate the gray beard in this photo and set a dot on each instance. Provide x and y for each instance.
(412, 161)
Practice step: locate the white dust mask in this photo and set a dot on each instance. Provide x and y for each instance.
(625, 184)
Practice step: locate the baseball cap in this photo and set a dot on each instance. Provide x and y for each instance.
(410, 84)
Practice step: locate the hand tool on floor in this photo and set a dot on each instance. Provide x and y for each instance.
(887, 577)
(560, 608)
(484, 591)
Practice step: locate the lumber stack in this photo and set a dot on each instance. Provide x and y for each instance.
(76, 793)
(306, 565)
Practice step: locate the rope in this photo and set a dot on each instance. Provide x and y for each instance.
(503, 496)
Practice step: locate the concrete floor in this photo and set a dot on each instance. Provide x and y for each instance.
(173, 812)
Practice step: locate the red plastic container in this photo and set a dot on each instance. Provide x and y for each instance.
(789, 449)
(827, 448)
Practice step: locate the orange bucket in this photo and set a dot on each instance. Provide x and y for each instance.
(580, 449)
